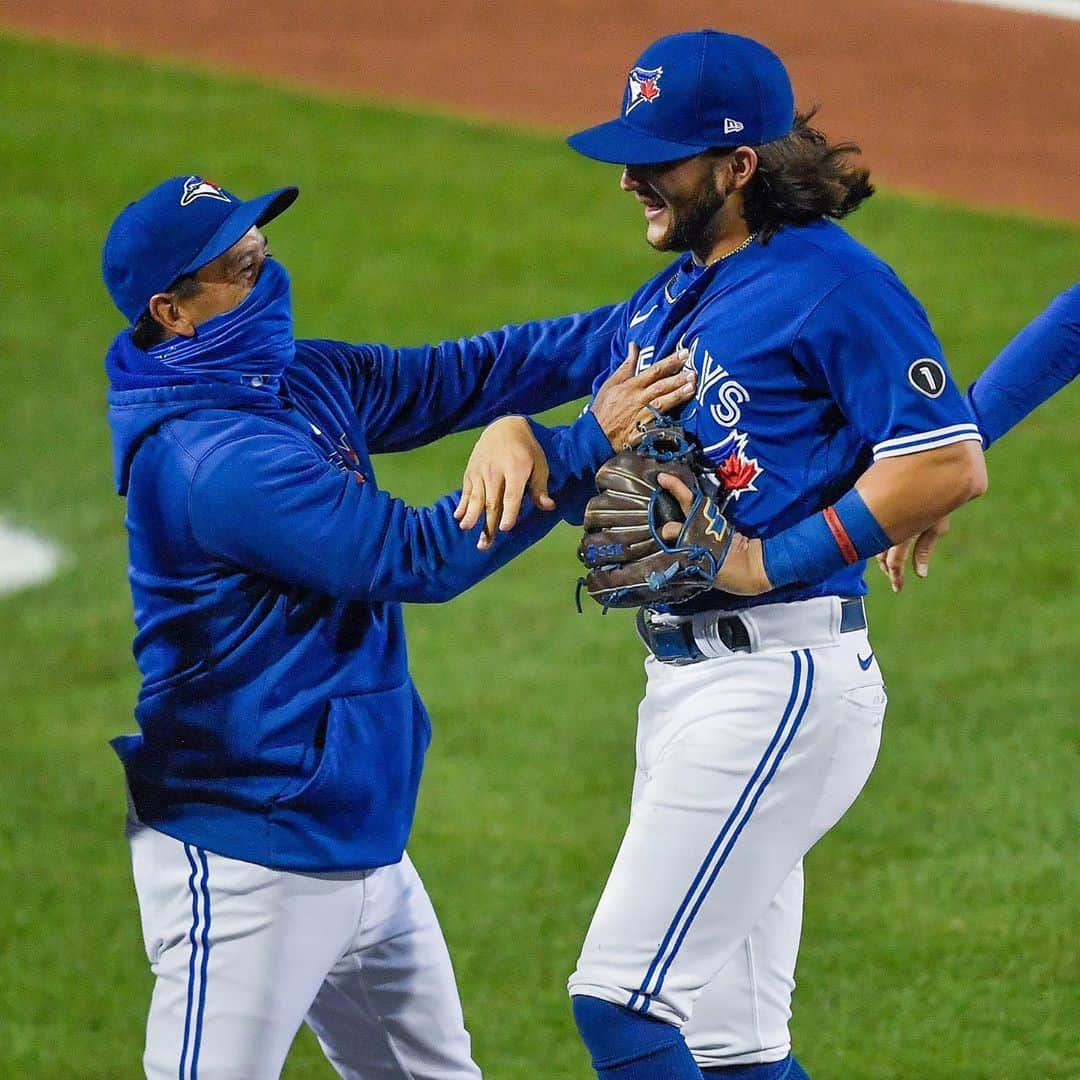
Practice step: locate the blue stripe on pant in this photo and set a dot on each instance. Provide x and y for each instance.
(199, 961)
(797, 703)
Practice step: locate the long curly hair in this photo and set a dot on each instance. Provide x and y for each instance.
(802, 178)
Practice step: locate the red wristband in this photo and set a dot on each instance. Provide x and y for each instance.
(840, 535)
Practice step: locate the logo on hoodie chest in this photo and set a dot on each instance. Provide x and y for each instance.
(342, 456)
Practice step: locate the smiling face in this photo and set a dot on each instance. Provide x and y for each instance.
(692, 204)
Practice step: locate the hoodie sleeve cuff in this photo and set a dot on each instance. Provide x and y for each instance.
(574, 452)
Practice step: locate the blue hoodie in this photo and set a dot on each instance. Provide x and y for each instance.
(279, 723)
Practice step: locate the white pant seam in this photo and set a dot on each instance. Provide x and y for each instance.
(405, 1071)
(751, 974)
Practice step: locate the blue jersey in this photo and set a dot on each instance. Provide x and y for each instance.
(813, 361)
(278, 720)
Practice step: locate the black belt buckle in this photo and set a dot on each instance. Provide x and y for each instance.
(670, 643)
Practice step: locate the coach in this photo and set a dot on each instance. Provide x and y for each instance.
(274, 779)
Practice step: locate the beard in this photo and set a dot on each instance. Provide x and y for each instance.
(691, 221)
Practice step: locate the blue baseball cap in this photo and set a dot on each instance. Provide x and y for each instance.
(690, 92)
(174, 229)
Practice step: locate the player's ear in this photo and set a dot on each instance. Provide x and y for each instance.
(740, 166)
(169, 313)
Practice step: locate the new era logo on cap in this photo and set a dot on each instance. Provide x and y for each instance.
(195, 187)
(644, 86)
(731, 126)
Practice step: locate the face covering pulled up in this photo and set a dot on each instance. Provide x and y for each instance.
(252, 344)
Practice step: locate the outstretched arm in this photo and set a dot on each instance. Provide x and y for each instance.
(274, 506)
(412, 396)
(1035, 365)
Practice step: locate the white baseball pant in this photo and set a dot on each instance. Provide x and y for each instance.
(242, 955)
(744, 760)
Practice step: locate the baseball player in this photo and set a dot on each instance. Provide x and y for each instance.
(1035, 365)
(274, 778)
(830, 429)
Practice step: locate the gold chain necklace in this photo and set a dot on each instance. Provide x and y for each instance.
(734, 251)
(671, 298)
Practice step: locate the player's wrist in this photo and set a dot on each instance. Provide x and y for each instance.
(759, 576)
(824, 543)
(514, 421)
(743, 570)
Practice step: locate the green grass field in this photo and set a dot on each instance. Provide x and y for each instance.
(940, 937)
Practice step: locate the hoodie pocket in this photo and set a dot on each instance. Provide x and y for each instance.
(372, 754)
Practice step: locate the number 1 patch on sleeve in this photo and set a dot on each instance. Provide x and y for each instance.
(927, 376)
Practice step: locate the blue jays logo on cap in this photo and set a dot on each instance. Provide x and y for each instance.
(644, 85)
(718, 91)
(195, 187)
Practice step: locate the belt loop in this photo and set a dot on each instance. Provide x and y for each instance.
(753, 631)
(836, 618)
(722, 635)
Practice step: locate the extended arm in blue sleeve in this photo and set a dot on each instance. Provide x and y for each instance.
(276, 508)
(413, 396)
(1035, 365)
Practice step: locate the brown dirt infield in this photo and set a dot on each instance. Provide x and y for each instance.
(974, 103)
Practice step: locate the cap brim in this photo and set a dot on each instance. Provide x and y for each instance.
(247, 214)
(619, 143)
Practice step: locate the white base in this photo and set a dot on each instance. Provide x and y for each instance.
(25, 559)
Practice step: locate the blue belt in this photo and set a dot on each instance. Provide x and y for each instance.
(674, 643)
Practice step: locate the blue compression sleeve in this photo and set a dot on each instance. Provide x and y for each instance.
(820, 545)
(1039, 361)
